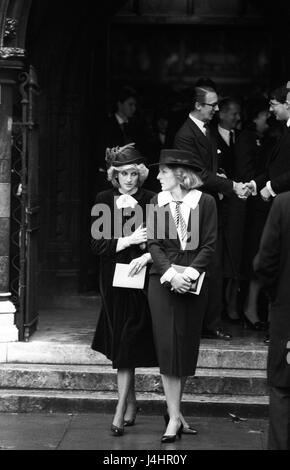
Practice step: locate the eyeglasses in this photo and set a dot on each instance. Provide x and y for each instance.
(274, 105)
(213, 105)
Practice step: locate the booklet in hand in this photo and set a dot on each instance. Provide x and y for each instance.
(122, 278)
(195, 285)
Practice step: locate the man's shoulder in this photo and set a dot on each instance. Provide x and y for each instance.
(283, 199)
(188, 129)
(187, 125)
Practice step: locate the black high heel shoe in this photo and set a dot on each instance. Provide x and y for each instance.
(186, 429)
(257, 326)
(131, 422)
(169, 439)
(116, 431)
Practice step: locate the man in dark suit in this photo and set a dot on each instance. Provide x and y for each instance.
(119, 128)
(272, 266)
(194, 137)
(276, 178)
(225, 133)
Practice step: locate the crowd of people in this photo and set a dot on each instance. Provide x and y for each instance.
(215, 186)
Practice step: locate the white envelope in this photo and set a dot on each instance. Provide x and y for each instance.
(122, 279)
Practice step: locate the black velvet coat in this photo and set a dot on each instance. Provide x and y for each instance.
(272, 266)
(124, 331)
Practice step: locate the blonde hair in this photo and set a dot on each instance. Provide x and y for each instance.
(187, 178)
(113, 171)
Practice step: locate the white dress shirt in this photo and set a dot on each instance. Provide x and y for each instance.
(200, 124)
(226, 135)
(190, 202)
(121, 120)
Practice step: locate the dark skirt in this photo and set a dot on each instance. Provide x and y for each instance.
(177, 322)
(124, 331)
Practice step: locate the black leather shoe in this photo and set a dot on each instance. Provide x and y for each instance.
(257, 326)
(267, 340)
(117, 432)
(216, 334)
(131, 422)
(185, 430)
(169, 439)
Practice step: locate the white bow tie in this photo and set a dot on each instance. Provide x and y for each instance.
(125, 201)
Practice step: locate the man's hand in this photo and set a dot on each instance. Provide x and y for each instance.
(252, 187)
(242, 191)
(265, 194)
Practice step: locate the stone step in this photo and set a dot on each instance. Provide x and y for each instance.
(51, 401)
(103, 378)
(223, 356)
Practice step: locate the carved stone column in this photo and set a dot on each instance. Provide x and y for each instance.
(8, 330)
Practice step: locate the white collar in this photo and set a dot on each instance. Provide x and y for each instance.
(121, 120)
(125, 200)
(223, 130)
(288, 123)
(191, 199)
(200, 124)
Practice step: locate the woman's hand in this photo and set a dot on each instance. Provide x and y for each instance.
(180, 284)
(137, 265)
(138, 237)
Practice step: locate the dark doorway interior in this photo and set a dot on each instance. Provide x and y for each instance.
(81, 58)
(67, 47)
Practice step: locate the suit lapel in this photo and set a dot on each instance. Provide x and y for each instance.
(284, 136)
(200, 137)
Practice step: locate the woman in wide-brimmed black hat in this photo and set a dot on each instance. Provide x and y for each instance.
(182, 231)
(124, 331)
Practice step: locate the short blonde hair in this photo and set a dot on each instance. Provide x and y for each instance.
(187, 178)
(113, 171)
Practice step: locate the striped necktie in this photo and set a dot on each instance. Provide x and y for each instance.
(179, 221)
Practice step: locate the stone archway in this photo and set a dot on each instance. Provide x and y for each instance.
(14, 16)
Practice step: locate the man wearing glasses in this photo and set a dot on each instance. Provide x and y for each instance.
(276, 179)
(194, 137)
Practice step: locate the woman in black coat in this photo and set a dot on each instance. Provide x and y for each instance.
(124, 331)
(182, 232)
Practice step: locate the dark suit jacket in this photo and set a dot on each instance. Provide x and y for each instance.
(165, 250)
(225, 154)
(272, 266)
(278, 166)
(204, 151)
(115, 136)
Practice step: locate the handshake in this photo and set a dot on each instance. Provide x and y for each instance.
(244, 190)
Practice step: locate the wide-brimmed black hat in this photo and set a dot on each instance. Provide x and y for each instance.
(123, 156)
(177, 158)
